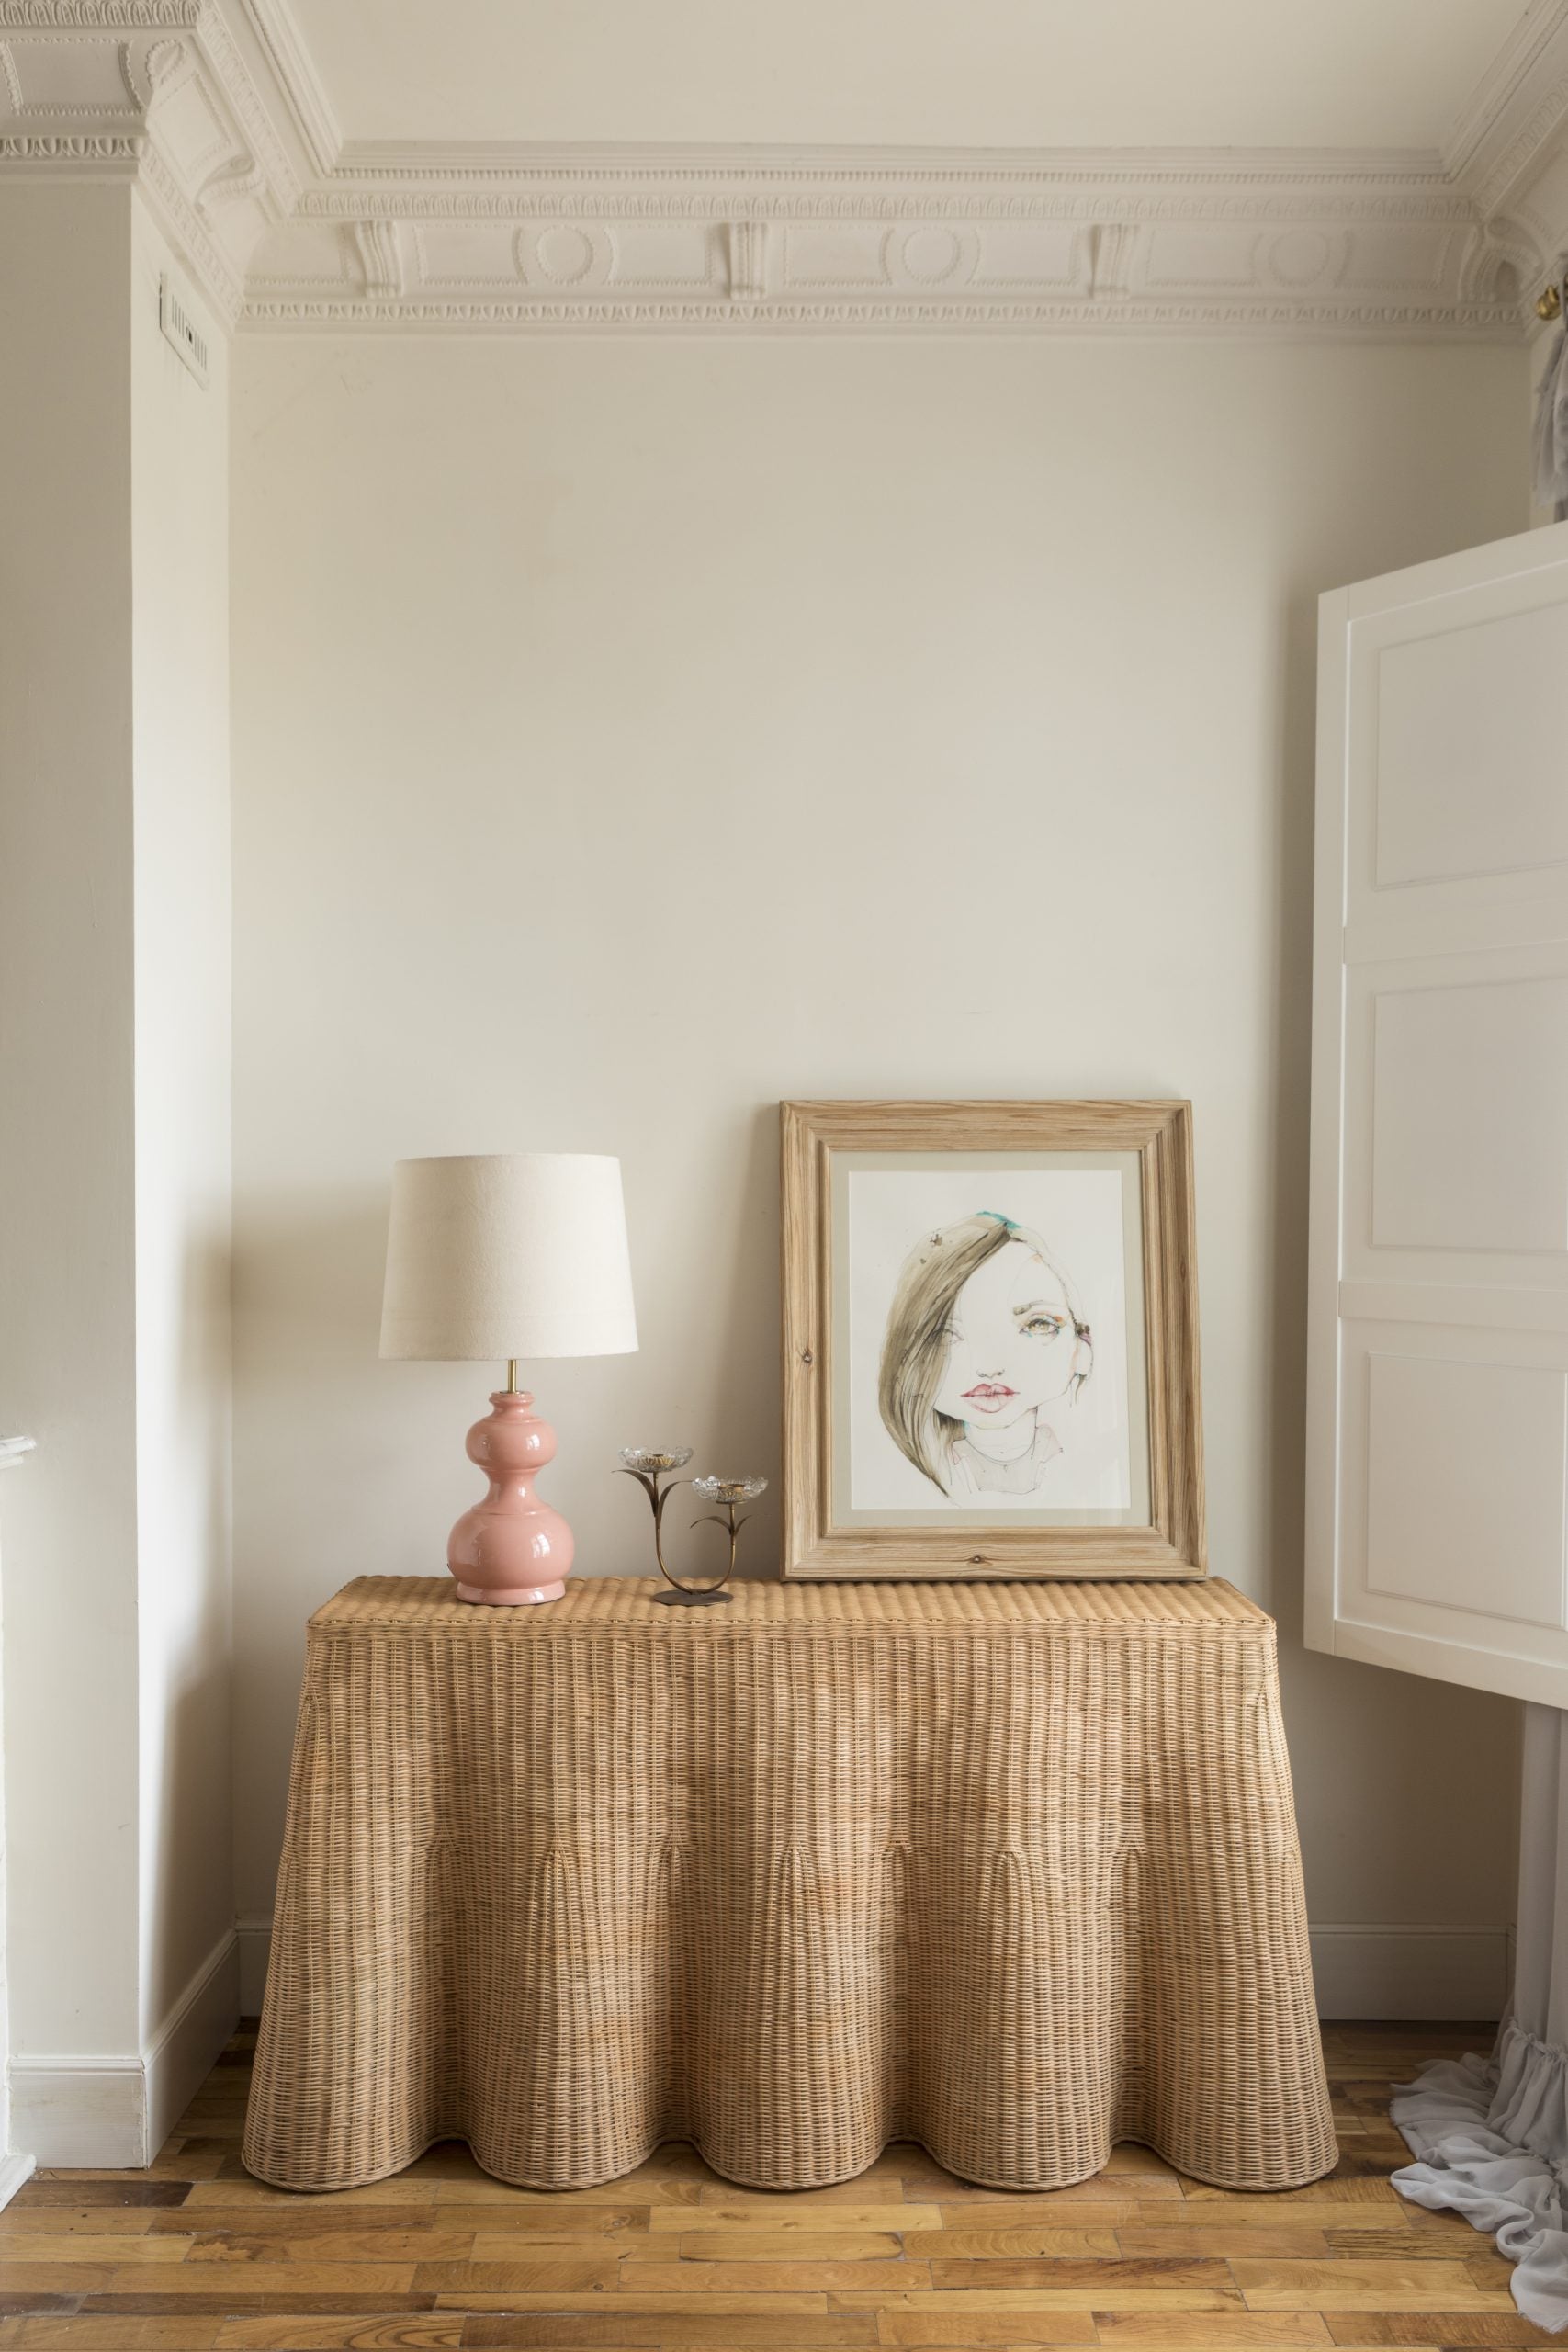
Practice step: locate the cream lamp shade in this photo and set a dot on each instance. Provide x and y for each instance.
(509, 1254)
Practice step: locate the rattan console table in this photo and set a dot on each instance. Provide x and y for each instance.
(1010, 1870)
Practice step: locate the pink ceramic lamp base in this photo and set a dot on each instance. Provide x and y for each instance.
(511, 1549)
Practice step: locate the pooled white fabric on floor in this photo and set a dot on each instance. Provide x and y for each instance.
(1492, 2138)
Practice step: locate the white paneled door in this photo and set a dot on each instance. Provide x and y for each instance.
(1437, 1404)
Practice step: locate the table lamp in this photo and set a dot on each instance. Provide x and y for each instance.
(502, 1256)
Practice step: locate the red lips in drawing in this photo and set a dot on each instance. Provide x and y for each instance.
(988, 1395)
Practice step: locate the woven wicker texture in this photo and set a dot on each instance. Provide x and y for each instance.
(1010, 1870)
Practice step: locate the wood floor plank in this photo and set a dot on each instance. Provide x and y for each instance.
(1234, 2331)
(1103, 2278)
(747, 2278)
(851, 2196)
(231, 2300)
(1420, 2275)
(74, 2221)
(1369, 2160)
(1094, 2205)
(419, 2189)
(1027, 2299)
(50, 2277)
(954, 2331)
(999, 2245)
(1056, 2214)
(1377, 2299)
(682, 2332)
(1284, 2238)
(537, 2274)
(419, 2332)
(76, 2246)
(273, 2278)
(808, 2211)
(734, 2306)
(1369, 2189)
(1285, 2210)
(237, 2247)
(742, 2245)
(79, 2191)
(1446, 2234)
(1501, 2329)
(305, 2217)
(99, 2332)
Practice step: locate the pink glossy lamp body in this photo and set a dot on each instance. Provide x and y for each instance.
(511, 1548)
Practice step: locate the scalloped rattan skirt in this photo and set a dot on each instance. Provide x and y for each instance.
(1010, 1870)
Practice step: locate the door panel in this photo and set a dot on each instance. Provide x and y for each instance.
(1437, 1409)
(1465, 702)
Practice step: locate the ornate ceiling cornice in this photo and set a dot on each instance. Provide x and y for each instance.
(215, 107)
(154, 91)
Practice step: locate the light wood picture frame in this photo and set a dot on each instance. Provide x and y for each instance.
(990, 1341)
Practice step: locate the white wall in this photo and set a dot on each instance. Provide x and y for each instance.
(630, 734)
(67, 1298)
(114, 969)
(183, 1030)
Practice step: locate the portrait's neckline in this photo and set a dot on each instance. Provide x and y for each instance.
(1017, 1477)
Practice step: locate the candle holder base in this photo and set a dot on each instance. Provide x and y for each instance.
(683, 1598)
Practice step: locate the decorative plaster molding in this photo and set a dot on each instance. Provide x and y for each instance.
(1282, 321)
(282, 62)
(747, 249)
(1522, 69)
(1509, 151)
(215, 107)
(33, 147)
(156, 91)
(817, 240)
(1517, 108)
(97, 16)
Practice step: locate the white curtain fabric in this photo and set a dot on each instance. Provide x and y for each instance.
(1490, 2135)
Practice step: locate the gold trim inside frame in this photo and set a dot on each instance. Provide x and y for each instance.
(1154, 1527)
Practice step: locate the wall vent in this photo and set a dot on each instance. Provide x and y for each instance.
(180, 328)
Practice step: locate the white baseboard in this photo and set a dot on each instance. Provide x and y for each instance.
(1412, 1974)
(184, 2049)
(14, 2171)
(72, 2111)
(111, 2111)
(1394, 1973)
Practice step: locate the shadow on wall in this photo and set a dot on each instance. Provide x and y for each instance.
(191, 1895)
(1290, 1106)
(184, 1585)
(307, 1281)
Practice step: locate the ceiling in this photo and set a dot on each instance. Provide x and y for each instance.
(1052, 74)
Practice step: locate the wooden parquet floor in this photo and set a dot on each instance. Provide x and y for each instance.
(192, 2256)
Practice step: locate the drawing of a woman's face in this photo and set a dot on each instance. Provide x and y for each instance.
(983, 1330)
(1011, 1343)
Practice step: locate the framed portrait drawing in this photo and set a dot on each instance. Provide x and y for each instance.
(990, 1340)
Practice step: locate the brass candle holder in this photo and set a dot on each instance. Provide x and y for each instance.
(651, 1466)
